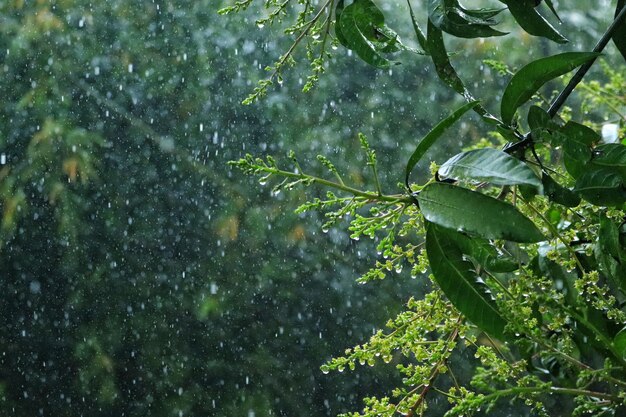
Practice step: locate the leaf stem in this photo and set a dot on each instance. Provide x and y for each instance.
(556, 390)
(376, 179)
(297, 41)
(372, 196)
(327, 30)
(434, 373)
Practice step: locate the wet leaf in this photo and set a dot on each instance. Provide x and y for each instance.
(421, 39)
(619, 342)
(559, 194)
(580, 133)
(464, 210)
(610, 254)
(531, 21)
(531, 77)
(338, 32)
(446, 71)
(450, 17)
(485, 254)
(601, 187)
(490, 165)
(538, 118)
(553, 10)
(456, 278)
(432, 136)
(611, 156)
(362, 28)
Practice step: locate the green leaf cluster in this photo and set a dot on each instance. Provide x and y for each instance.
(525, 244)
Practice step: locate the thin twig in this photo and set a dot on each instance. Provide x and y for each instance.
(577, 78)
(295, 43)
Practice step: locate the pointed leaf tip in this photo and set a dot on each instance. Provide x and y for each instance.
(458, 281)
(432, 136)
(533, 76)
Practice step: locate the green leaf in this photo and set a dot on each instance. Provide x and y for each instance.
(531, 21)
(528, 192)
(619, 36)
(608, 238)
(559, 194)
(432, 136)
(580, 133)
(619, 342)
(541, 124)
(362, 28)
(611, 156)
(456, 278)
(609, 253)
(553, 10)
(446, 71)
(451, 18)
(338, 33)
(531, 77)
(576, 140)
(601, 187)
(490, 165)
(485, 254)
(421, 39)
(538, 118)
(464, 210)
(507, 133)
(482, 14)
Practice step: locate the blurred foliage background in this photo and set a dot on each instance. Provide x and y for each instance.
(139, 275)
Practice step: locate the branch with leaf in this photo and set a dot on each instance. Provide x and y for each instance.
(525, 244)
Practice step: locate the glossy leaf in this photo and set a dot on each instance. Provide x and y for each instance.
(538, 118)
(580, 133)
(362, 28)
(507, 133)
(432, 136)
(531, 77)
(608, 238)
(609, 253)
(559, 194)
(338, 33)
(611, 156)
(464, 210)
(619, 342)
(575, 143)
(490, 165)
(485, 254)
(541, 124)
(421, 39)
(553, 10)
(619, 36)
(450, 17)
(456, 278)
(446, 71)
(531, 21)
(601, 187)
(482, 13)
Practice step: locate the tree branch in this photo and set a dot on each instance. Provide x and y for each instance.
(555, 107)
